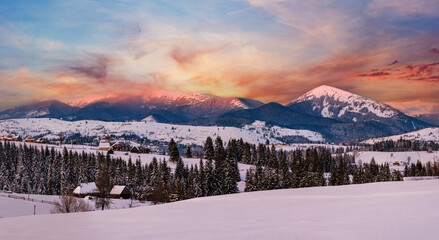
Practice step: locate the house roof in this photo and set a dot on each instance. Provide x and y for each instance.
(86, 188)
(117, 190)
(104, 144)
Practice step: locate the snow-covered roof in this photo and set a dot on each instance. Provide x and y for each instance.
(117, 190)
(86, 188)
(103, 144)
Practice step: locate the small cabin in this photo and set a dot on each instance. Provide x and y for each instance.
(118, 147)
(85, 189)
(119, 191)
(29, 140)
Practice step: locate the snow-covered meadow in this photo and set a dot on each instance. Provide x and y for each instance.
(391, 210)
(23, 205)
(257, 132)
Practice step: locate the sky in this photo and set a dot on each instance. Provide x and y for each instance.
(82, 51)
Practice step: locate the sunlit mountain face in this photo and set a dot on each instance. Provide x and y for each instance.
(85, 52)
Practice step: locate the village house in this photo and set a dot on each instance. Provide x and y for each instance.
(10, 138)
(104, 145)
(85, 189)
(120, 191)
(29, 140)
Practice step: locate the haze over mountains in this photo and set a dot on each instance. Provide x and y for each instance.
(338, 115)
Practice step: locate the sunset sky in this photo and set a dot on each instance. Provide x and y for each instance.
(79, 51)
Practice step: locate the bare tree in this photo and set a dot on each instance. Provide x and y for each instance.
(69, 204)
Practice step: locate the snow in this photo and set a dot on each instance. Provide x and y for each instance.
(354, 103)
(36, 113)
(183, 134)
(86, 188)
(11, 207)
(392, 210)
(426, 134)
(14, 207)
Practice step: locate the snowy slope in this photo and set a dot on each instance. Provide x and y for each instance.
(184, 134)
(335, 103)
(426, 134)
(393, 210)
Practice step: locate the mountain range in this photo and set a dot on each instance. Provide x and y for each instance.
(337, 114)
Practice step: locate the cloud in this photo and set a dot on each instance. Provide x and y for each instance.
(404, 8)
(268, 50)
(393, 63)
(434, 51)
(96, 67)
(374, 74)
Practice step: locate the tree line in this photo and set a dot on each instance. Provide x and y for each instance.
(43, 170)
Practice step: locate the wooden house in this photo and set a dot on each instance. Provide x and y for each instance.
(29, 140)
(119, 191)
(85, 189)
(104, 145)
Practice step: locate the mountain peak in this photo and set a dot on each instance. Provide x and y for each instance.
(331, 102)
(325, 90)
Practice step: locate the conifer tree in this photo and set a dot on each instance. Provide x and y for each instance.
(188, 151)
(174, 154)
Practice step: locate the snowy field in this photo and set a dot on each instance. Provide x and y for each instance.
(426, 134)
(392, 210)
(14, 207)
(257, 132)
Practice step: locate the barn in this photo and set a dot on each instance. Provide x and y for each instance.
(120, 191)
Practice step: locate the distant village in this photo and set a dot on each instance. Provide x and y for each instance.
(104, 144)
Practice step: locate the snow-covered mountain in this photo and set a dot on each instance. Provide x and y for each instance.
(165, 106)
(337, 114)
(50, 108)
(258, 132)
(346, 107)
(331, 102)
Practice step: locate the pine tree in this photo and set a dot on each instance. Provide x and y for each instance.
(208, 149)
(174, 154)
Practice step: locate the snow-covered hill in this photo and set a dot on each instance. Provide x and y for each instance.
(392, 210)
(426, 134)
(258, 132)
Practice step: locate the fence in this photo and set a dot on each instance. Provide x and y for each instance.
(26, 199)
